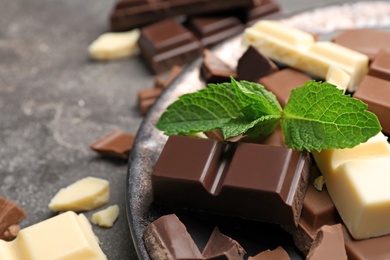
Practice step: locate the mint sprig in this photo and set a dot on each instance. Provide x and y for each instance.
(317, 116)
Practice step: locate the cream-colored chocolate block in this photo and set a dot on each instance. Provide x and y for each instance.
(360, 191)
(85, 194)
(111, 46)
(67, 236)
(106, 217)
(329, 160)
(338, 77)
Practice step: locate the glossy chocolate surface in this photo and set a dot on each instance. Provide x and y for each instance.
(380, 67)
(214, 70)
(232, 179)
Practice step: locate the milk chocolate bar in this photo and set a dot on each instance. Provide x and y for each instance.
(138, 14)
(116, 144)
(380, 67)
(232, 178)
(167, 43)
(10, 215)
(167, 238)
(214, 70)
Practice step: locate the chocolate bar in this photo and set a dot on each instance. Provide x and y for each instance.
(167, 238)
(132, 14)
(246, 70)
(10, 215)
(117, 144)
(375, 92)
(259, 9)
(367, 41)
(282, 82)
(277, 254)
(214, 70)
(221, 247)
(232, 178)
(380, 67)
(167, 43)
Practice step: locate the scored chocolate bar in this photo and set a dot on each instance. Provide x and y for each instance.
(251, 181)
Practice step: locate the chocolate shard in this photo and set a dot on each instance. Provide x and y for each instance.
(10, 215)
(328, 244)
(117, 144)
(277, 254)
(167, 238)
(380, 67)
(282, 82)
(253, 65)
(222, 247)
(251, 181)
(214, 70)
(167, 43)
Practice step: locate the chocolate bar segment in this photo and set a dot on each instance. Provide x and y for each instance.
(222, 247)
(380, 67)
(167, 238)
(167, 43)
(259, 9)
(214, 70)
(251, 181)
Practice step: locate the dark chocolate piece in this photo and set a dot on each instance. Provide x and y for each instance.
(380, 67)
(277, 254)
(167, 238)
(166, 44)
(222, 247)
(282, 82)
(214, 70)
(259, 9)
(328, 244)
(10, 215)
(125, 17)
(146, 99)
(173, 74)
(367, 41)
(375, 92)
(253, 65)
(252, 181)
(116, 144)
(211, 30)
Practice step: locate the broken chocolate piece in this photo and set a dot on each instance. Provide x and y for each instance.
(115, 144)
(380, 67)
(167, 43)
(233, 179)
(173, 74)
(282, 82)
(10, 215)
(278, 254)
(222, 247)
(253, 65)
(328, 244)
(146, 99)
(214, 70)
(167, 238)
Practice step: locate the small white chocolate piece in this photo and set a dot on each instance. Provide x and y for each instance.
(85, 194)
(338, 77)
(67, 236)
(111, 46)
(106, 217)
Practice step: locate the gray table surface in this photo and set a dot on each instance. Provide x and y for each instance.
(54, 102)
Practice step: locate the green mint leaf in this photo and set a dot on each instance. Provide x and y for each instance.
(204, 110)
(260, 127)
(256, 100)
(318, 116)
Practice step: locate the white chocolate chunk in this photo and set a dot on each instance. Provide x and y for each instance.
(85, 194)
(111, 46)
(329, 160)
(106, 217)
(338, 77)
(297, 49)
(361, 194)
(67, 236)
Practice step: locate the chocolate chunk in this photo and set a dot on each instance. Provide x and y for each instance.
(282, 82)
(222, 247)
(253, 65)
(214, 70)
(173, 74)
(278, 254)
(167, 238)
(367, 41)
(259, 9)
(10, 215)
(380, 67)
(375, 92)
(328, 244)
(116, 144)
(167, 43)
(252, 181)
(128, 16)
(146, 99)
(212, 30)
